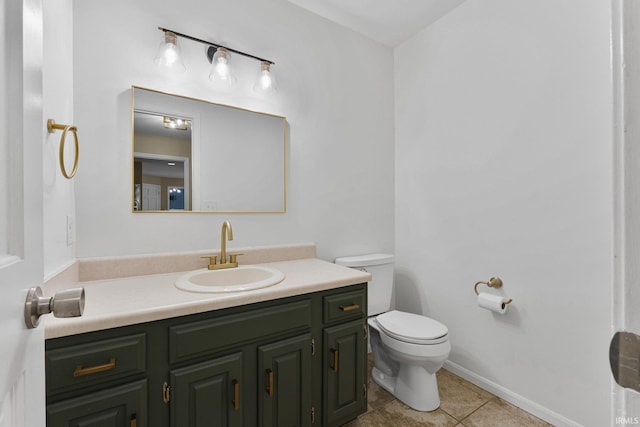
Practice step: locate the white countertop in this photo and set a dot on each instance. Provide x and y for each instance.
(112, 303)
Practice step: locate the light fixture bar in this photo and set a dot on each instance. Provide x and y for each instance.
(216, 45)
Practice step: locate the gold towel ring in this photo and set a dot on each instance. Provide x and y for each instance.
(52, 127)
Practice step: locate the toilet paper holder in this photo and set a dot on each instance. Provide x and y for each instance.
(494, 282)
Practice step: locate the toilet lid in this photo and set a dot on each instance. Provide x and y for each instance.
(412, 328)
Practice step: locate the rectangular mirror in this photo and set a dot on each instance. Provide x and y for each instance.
(194, 155)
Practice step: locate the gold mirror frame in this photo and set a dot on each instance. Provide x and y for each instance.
(230, 181)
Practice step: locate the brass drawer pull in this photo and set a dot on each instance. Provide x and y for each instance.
(270, 382)
(166, 393)
(236, 394)
(80, 371)
(349, 307)
(334, 367)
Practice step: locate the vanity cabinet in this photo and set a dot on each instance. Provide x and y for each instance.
(345, 354)
(90, 365)
(296, 361)
(345, 372)
(208, 393)
(284, 382)
(124, 405)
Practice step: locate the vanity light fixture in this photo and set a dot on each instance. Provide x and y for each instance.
(220, 58)
(175, 123)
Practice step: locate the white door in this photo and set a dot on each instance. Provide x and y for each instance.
(150, 197)
(22, 392)
(626, 312)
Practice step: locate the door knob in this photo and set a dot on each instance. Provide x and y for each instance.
(624, 353)
(66, 303)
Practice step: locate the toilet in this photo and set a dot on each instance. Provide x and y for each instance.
(408, 349)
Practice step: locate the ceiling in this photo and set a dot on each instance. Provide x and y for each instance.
(162, 168)
(389, 22)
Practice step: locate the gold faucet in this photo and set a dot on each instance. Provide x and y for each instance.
(226, 226)
(225, 234)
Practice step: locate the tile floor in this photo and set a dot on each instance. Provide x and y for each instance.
(461, 404)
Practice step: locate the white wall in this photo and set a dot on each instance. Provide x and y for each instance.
(59, 194)
(336, 90)
(504, 167)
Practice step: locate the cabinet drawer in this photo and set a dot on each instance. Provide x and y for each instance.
(117, 406)
(211, 335)
(345, 305)
(93, 363)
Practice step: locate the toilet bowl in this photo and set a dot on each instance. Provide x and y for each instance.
(408, 349)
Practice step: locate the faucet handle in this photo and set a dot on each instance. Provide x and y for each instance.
(212, 260)
(232, 258)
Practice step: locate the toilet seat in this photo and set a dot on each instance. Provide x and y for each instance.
(412, 328)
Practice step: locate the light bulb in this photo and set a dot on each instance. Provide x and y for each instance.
(169, 54)
(221, 68)
(265, 82)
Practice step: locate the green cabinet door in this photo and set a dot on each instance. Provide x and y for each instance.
(345, 364)
(123, 406)
(284, 382)
(208, 393)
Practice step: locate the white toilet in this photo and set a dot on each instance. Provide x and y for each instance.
(408, 349)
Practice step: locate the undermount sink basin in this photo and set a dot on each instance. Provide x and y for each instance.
(242, 278)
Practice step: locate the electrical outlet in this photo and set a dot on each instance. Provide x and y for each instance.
(71, 230)
(209, 205)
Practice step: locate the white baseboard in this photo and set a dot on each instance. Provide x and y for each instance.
(511, 397)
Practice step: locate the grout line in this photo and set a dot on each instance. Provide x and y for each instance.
(478, 408)
(469, 414)
(446, 413)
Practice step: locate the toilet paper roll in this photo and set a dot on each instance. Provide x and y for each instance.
(495, 303)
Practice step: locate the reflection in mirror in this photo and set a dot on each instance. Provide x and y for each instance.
(193, 155)
(162, 154)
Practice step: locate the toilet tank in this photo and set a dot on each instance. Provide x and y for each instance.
(380, 287)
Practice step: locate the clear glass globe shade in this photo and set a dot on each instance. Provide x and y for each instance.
(169, 53)
(265, 81)
(221, 71)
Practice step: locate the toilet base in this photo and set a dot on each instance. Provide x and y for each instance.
(413, 386)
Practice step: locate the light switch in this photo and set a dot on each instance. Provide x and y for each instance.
(71, 230)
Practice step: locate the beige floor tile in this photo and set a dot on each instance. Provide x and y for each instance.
(396, 414)
(458, 397)
(482, 392)
(500, 413)
(370, 419)
(377, 396)
(462, 404)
